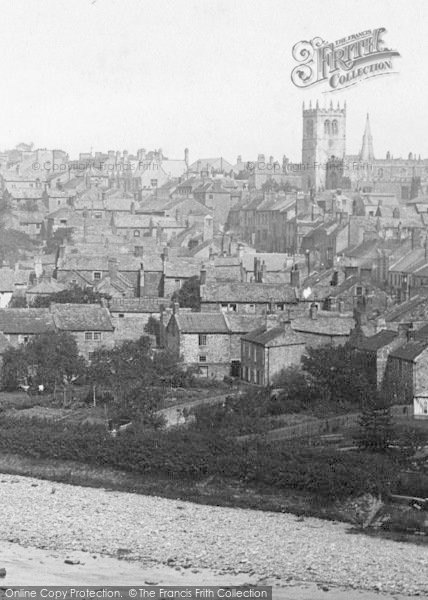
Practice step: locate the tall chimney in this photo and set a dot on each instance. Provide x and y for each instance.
(313, 311)
(295, 276)
(141, 281)
(240, 251)
(112, 267)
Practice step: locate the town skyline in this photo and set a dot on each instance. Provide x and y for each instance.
(353, 147)
(162, 85)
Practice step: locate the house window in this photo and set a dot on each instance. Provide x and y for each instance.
(98, 215)
(202, 340)
(91, 356)
(251, 308)
(97, 275)
(63, 221)
(210, 196)
(121, 316)
(153, 182)
(137, 233)
(359, 290)
(97, 336)
(88, 336)
(202, 358)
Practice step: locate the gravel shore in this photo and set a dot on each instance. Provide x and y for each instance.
(265, 547)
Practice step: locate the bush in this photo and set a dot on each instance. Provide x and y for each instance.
(196, 455)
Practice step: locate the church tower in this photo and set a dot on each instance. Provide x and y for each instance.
(324, 141)
(367, 155)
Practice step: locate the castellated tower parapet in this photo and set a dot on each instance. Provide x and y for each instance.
(324, 140)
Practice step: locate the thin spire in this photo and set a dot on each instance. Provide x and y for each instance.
(367, 153)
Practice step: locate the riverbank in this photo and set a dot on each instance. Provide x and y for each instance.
(259, 547)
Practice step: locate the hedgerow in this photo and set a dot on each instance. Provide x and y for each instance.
(193, 455)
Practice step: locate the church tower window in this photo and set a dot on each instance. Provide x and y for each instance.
(327, 127)
(310, 128)
(334, 128)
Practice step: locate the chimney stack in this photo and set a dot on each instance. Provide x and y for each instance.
(203, 275)
(141, 281)
(295, 276)
(313, 311)
(240, 251)
(112, 267)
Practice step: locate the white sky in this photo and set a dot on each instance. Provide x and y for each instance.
(213, 75)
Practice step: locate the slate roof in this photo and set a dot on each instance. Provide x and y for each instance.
(247, 292)
(377, 341)
(410, 350)
(125, 262)
(182, 267)
(144, 221)
(137, 305)
(81, 317)
(30, 194)
(47, 287)
(274, 261)
(26, 320)
(324, 325)
(195, 322)
(395, 312)
(268, 336)
(239, 323)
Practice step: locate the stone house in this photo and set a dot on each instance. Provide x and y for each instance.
(376, 350)
(265, 351)
(20, 324)
(136, 226)
(130, 315)
(246, 298)
(90, 325)
(325, 327)
(209, 342)
(406, 373)
(202, 340)
(176, 270)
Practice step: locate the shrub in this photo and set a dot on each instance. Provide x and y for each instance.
(185, 453)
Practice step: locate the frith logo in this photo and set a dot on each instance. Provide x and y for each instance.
(342, 63)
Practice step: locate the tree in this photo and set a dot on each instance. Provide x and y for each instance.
(188, 295)
(14, 370)
(298, 391)
(74, 295)
(123, 368)
(53, 358)
(342, 372)
(49, 359)
(376, 430)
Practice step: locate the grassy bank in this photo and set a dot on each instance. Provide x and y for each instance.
(212, 491)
